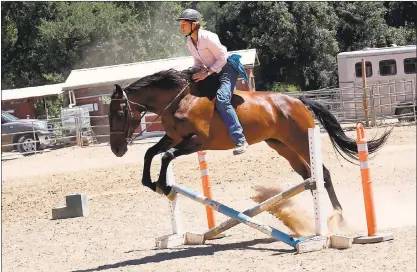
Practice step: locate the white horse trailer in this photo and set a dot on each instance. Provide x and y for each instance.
(390, 77)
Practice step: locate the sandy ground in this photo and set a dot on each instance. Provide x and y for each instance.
(125, 218)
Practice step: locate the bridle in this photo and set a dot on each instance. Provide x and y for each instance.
(126, 131)
(127, 108)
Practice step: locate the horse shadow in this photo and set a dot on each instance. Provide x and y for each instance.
(208, 249)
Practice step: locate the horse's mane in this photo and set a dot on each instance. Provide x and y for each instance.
(166, 79)
(172, 79)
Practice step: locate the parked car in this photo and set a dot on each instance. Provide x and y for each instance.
(23, 133)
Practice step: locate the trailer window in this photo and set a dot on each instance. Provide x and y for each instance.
(387, 67)
(368, 69)
(410, 66)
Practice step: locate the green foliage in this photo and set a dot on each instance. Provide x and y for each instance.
(54, 106)
(282, 87)
(50, 106)
(20, 55)
(316, 45)
(401, 14)
(90, 34)
(297, 42)
(266, 26)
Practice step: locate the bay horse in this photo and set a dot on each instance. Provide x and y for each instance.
(191, 123)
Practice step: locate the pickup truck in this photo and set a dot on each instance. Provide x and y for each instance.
(25, 135)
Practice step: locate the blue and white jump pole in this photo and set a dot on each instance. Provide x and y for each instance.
(241, 217)
(303, 244)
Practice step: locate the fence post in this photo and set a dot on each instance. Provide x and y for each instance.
(77, 131)
(365, 101)
(34, 136)
(372, 106)
(414, 97)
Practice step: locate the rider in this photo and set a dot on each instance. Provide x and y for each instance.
(210, 56)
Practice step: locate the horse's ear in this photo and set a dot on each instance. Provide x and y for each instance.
(118, 92)
(118, 89)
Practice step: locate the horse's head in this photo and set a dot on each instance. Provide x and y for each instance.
(124, 117)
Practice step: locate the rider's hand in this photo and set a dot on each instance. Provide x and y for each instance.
(200, 75)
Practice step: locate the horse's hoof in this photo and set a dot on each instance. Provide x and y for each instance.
(171, 194)
(159, 190)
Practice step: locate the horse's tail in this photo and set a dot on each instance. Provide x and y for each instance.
(339, 140)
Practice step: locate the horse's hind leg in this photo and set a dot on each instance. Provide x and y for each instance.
(301, 166)
(296, 162)
(328, 184)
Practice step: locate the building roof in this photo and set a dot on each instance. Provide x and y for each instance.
(97, 76)
(31, 92)
(378, 51)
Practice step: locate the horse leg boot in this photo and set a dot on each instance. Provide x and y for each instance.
(164, 144)
(187, 146)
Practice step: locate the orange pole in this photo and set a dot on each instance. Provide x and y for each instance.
(206, 187)
(366, 179)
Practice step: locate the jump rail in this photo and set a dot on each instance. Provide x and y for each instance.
(303, 244)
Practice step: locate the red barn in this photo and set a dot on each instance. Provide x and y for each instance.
(21, 102)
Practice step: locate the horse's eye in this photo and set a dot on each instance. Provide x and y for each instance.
(120, 113)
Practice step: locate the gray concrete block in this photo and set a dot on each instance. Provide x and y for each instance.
(76, 206)
(78, 203)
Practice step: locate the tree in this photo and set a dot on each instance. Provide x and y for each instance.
(266, 26)
(401, 14)
(159, 30)
(363, 24)
(45, 40)
(19, 53)
(315, 45)
(295, 41)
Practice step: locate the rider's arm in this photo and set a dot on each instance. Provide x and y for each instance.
(219, 51)
(198, 65)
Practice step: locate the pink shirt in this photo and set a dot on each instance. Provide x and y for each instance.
(211, 53)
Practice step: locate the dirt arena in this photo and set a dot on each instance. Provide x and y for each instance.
(125, 218)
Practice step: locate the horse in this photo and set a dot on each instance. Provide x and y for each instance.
(188, 116)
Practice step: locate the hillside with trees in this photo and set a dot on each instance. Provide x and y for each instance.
(297, 42)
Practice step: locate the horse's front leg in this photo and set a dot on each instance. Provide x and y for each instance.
(163, 145)
(187, 146)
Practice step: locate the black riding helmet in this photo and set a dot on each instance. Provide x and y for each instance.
(190, 15)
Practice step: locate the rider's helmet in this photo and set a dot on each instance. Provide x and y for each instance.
(190, 15)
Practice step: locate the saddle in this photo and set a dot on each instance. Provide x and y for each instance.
(204, 88)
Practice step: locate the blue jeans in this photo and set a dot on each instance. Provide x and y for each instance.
(228, 78)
